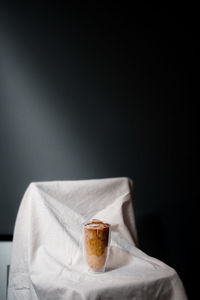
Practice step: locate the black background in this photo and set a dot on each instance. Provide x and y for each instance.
(105, 91)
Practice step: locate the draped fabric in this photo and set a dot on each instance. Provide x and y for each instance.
(47, 256)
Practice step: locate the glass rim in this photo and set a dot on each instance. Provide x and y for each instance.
(88, 224)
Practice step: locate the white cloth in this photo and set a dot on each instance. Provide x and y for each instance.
(47, 260)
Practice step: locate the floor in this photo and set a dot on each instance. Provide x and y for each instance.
(5, 253)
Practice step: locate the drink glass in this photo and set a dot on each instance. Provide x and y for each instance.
(96, 244)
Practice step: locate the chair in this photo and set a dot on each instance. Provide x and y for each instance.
(47, 260)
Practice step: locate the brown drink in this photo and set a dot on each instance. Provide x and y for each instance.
(96, 243)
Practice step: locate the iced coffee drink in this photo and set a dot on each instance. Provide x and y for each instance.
(96, 244)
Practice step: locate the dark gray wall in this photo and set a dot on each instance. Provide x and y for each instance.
(104, 93)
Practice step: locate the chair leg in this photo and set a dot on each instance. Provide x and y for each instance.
(8, 271)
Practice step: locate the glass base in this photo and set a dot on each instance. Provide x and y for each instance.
(100, 271)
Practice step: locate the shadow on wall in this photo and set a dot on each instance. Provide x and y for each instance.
(153, 237)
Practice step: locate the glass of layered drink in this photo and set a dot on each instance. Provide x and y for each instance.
(96, 244)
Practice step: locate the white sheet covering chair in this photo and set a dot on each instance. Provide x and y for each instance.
(47, 260)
